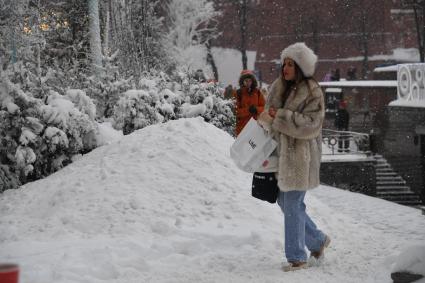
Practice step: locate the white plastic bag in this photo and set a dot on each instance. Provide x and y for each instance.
(252, 148)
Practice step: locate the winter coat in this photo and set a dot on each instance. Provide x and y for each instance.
(297, 128)
(244, 99)
(342, 119)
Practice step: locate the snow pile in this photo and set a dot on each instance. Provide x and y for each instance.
(82, 101)
(368, 83)
(391, 68)
(166, 204)
(107, 134)
(411, 260)
(419, 103)
(406, 54)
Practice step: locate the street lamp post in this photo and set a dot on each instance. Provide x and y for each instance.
(420, 26)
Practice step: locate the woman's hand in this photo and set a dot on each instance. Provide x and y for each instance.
(272, 112)
(265, 121)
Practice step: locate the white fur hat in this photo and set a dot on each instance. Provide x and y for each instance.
(303, 56)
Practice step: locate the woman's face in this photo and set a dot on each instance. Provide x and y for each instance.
(288, 69)
(247, 82)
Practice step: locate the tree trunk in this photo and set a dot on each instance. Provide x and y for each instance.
(95, 43)
(243, 25)
(210, 60)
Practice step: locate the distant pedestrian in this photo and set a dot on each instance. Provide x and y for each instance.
(342, 120)
(228, 92)
(199, 76)
(351, 74)
(336, 76)
(372, 142)
(249, 100)
(327, 77)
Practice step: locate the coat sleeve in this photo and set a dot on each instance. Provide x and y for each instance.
(306, 124)
(265, 120)
(261, 102)
(240, 111)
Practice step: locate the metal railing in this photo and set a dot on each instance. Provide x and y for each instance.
(345, 142)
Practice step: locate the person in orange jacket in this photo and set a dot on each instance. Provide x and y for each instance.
(249, 100)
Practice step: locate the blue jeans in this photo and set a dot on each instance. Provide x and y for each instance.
(300, 230)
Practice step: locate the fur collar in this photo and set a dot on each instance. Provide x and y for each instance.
(298, 96)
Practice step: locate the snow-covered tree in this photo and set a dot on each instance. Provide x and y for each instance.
(136, 33)
(55, 81)
(106, 88)
(11, 24)
(191, 24)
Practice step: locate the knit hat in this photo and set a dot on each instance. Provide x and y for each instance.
(303, 56)
(247, 72)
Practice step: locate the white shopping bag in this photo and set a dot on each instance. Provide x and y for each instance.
(252, 147)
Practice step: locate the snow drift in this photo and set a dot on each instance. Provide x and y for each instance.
(166, 204)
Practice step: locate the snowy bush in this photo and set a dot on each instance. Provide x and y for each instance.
(160, 99)
(83, 103)
(205, 100)
(25, 157)
(106, 88)
(136, 110)
(8, 180)
(80, 128)
(40, 136)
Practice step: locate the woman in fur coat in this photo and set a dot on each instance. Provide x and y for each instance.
(294, 113)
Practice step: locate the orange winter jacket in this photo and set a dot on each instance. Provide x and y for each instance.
(243, 101)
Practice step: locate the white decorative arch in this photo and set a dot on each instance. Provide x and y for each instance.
(411, 82)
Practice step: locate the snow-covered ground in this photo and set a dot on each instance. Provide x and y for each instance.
(107, 134)
(365, 83)
(420, 103)
(166, 204)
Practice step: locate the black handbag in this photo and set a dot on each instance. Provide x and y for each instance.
(264, 186)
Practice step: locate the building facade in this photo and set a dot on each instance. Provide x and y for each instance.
(351, 36)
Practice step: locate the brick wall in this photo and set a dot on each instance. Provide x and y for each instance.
(363, 105)
(336, 30)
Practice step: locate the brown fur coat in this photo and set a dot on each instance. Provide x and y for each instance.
(297, 127)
